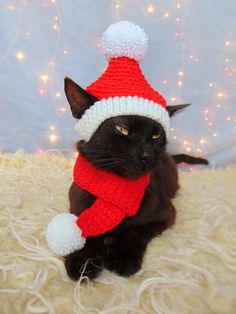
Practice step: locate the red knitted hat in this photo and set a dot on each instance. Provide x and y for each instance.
(122, 89)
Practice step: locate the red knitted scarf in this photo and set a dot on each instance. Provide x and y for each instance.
(117, 197)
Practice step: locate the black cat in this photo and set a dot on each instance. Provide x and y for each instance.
(129, 146)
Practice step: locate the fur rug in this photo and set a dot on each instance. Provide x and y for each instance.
(191, 268)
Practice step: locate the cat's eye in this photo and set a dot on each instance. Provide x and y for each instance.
(122, 129)
(155, 136)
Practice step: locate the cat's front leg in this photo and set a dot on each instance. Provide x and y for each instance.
(88, 261)
(124, 249)
(124, 252)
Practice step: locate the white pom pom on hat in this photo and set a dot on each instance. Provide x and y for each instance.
(122, 88)
(63, 235)
(124, 39)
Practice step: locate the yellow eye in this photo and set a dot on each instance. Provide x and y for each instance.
(122, 129)
(156, 136)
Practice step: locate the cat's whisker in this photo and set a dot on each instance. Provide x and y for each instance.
(108, 165)
(109, 162)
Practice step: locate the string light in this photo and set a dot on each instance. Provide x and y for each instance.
(166, 15)
(150, 9)
(117, 6)
(202, 141)
(11, 7)
(44, 78)
(191, 56)
(180, 83)
(58, 95)
(20, 55)
(181, 73)
(210, 84)
(227, 43)
(41, 92)
(53, 138)
(220, 95)
(55, 27)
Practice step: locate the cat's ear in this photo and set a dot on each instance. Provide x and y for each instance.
(78, 98)
(174, 109)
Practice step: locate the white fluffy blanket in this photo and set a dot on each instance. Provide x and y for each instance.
(191, 268)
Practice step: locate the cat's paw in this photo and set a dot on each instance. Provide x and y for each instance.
(123, 265)
(123, 260)
(78, 264)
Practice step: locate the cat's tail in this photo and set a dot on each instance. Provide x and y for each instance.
(189, 159)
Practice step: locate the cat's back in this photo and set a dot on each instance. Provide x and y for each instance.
(165, 177)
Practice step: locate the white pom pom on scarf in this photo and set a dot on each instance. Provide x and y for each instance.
(63, 235)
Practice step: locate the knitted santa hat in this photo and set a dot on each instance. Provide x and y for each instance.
(122, 89)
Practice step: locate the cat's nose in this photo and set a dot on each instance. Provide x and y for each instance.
(146, 158)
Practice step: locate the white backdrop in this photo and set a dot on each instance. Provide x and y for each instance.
(191, 58)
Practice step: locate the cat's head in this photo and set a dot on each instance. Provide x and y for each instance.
(128, 145)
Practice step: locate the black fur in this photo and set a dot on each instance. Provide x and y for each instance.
(122, 249)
